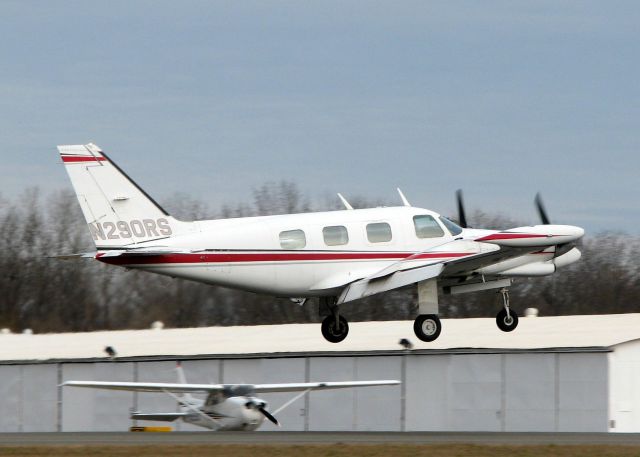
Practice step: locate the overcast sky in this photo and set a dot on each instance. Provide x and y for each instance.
(212, 99)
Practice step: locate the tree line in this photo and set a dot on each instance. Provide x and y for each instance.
(46, 294)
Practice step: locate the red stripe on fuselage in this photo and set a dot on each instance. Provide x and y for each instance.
(76, 159)
(271, 257)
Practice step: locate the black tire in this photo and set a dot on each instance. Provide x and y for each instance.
(504, 323)
(333, 334)
(427, 327)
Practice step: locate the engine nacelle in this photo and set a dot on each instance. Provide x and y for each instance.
(538, 235)
(531, 269)
(544, 268)
(569, 257)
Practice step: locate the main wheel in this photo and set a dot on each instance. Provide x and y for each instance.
(333, 333)
(507, 323)
(427, 327)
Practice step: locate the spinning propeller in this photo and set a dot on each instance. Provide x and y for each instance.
(462, 218)
(261, 407)
(542, 212)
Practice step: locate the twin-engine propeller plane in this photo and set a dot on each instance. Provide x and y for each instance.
(338, 256)
(227, 407)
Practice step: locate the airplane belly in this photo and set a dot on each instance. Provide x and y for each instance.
(283, 274)
(291, 279)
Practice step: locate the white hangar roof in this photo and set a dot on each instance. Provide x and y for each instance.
(533, 333)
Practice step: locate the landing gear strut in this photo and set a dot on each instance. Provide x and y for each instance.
(507, 319)
(427, 326)
(335, 327)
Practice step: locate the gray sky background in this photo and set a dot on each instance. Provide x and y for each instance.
(212, 99)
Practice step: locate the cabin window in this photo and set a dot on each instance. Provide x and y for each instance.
(427, 227)
(292, 239)
(454, 228)
(378, 232)
(335, 235)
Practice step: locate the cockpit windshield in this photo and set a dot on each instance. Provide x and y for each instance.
(454, 228)
(238, 390)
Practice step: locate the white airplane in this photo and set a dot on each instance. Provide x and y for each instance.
(227, 406)
(338, 256)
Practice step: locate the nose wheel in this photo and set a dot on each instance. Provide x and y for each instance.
(507, 319)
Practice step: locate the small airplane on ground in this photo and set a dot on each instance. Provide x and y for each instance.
(227, 406)
(337, 256)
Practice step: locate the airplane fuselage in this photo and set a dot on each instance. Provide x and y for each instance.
(315, 254)
(231, 414)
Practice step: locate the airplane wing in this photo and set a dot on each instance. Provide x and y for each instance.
(147, 386)
(456, 258)
(208, 388)
(297, 387)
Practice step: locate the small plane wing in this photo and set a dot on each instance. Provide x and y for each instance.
(208, 388)
(297, 387)
(147, 386)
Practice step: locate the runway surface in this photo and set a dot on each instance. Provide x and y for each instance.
(146, 438)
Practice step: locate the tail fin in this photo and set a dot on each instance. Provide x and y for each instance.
(182, 379)
(118, 211)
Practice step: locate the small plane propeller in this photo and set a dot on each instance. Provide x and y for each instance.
(462, 218)
(265, 413)
(542, 212)
(269, 416)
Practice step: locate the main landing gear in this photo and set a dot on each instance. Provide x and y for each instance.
(335, 327)
(507, 319)
(427, 327)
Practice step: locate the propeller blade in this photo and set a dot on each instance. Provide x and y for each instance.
(541, 211)
(268, 415)
(462, 218)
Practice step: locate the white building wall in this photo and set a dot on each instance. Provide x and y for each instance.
(530, 392)
(624, 388)
(39, 398)
(10, 398)
(583, 392)
(474, 392)
(427, 392)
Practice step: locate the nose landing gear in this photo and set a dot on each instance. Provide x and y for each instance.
(507, 319)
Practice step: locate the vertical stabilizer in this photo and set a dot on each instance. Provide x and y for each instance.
(185, 398)
(119, 213)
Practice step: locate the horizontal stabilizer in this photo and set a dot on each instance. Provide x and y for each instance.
(76, 256)
(165, 417)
